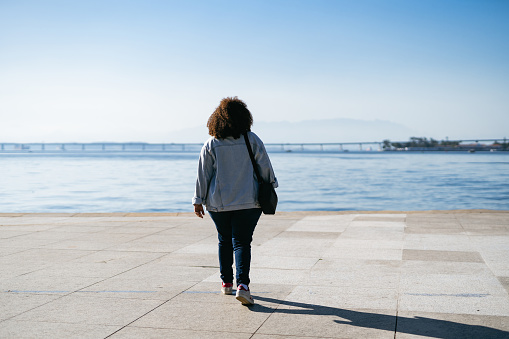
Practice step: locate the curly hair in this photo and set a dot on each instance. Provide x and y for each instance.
(230, 119)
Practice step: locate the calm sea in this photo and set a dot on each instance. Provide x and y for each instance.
(164, 182)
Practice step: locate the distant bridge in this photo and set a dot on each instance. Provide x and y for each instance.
(7, 147)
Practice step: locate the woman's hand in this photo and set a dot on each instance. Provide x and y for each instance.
(198, 210)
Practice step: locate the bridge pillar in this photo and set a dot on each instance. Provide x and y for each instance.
(360, 147)
(340, 147)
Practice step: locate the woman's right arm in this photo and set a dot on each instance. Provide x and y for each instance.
(205, 173)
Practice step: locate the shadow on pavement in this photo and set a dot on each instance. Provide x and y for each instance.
(422, 326)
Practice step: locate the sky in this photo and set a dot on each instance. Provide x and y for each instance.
(84, 71)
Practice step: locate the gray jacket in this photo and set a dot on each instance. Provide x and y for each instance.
(226, 179)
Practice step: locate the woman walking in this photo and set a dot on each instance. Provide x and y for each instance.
(228, 187)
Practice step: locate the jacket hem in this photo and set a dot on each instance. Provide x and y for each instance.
(232, 208)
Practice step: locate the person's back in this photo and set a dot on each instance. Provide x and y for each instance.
(233, 182)
(227, 185)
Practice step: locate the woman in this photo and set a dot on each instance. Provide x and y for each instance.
(227, 185)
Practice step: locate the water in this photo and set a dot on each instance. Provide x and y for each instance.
(164, 182)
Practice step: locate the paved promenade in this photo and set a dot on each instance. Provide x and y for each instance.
(314, 275)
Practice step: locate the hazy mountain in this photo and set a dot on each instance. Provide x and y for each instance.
(332, 130)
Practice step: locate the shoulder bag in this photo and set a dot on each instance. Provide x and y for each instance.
(267, 197)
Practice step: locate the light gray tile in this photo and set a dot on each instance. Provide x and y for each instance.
(438, 242)
(12, 303)
(364, 253)
(324, 223)
(348, 297)
(208, 316)
(432, 255)
(462, 286)
(54, 330)
(157, 333)
(90, 310)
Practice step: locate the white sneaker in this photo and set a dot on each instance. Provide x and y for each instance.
(227, 288)
(244, 296)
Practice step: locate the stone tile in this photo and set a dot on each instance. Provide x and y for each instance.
(8, 234)
(364, 253)
(208, 316)
(156, 243)
(382, 217)
(157, 333)
(94, 241)
(309, 320)
(189, 260)
(35, 259)
(205, 246)
(431, 255)
(505, 282)
(393, 233)
(120, 287)
(467, 286)
(31, 220)
(490, 243)
(88, 310)
(434, 225)
(276, 336)
(102, 264)
(348, 297)
(438, 242)
(424, 217)
(323, 223)
(483, 226)
(441, 325)
(54, 330)
(294, 247)
(210, 292)
(10, 250)
(497, 262)
(27, 228)
(135, 229)
(455, 304)
(78, 228)
(157, 272)
(13, 304)
(414, 267)
(269, 276)
(381, 224)
(42, 282)
(423, 230)
(284, 263)
(372, 244)
(308, 235)
(362, 274)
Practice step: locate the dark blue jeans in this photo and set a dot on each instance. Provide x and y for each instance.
(235, 233)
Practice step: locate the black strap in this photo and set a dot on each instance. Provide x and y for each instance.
(260, 179)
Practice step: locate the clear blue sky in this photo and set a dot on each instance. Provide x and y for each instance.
(137, 70)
